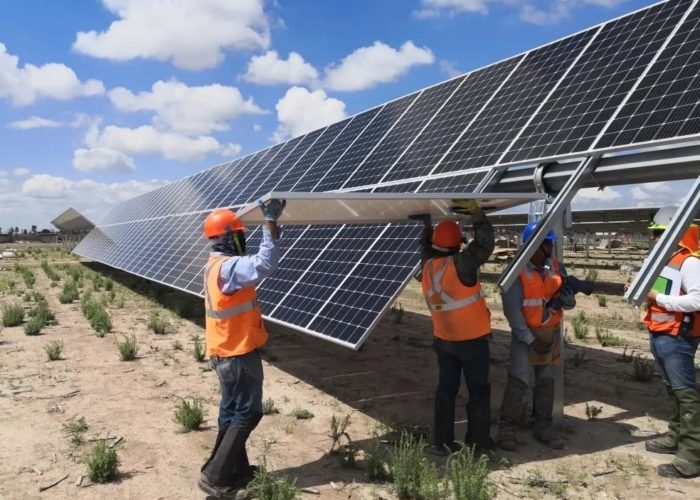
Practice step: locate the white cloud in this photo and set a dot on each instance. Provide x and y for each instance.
(594, 194)
(301, 111)
(24, 85)
(379, 63)
(147, 140)
(188, 110)
(257, 127)
(102, 160)
(449, 68)
(34, 122)
(660, 192)
(434, 8)
(21, 172)
(539, 12)
(40, 198)
(230, 149)
(270, 69)
(193, 34)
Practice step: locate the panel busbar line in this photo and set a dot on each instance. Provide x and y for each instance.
(631, 81)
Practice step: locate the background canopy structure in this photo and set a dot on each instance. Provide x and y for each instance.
(627, 85)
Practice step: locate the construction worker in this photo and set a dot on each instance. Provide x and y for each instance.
(235, 332)
(673, 321)
(535, 328)
(461, 326)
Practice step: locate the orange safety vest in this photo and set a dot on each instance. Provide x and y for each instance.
(459, 312)
(537, 290)
(234, 322)
(660, 320)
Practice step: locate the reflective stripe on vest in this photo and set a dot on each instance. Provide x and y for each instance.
(537, 290)
(228, 312)
(661, 321)
(458, 312)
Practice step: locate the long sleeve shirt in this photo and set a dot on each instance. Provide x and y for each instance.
(690, 284)
(513, 304)
(472, 257)
(242, 271)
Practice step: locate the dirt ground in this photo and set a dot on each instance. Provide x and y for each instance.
(389, 382)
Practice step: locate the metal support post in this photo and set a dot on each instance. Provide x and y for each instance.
(561, 202)
(667, 244)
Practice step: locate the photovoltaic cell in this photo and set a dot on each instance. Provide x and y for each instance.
(329, 157)
(666, 102)
(529, 84)
(577, 112)
(366, 141)
(373, 167)
(456, 183)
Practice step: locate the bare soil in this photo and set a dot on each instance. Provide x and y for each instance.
(390, 382)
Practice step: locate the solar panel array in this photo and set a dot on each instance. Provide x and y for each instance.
(627, 83)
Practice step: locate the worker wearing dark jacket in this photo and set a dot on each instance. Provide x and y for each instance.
(461, 326)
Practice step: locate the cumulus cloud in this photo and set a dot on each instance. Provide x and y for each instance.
(24, 85)
(101, 160)
(270, 69)
(587, 195)
(187, 110)
(192, 34)
(146, 140)
(21, 172)
(434, 8)
(41, 197)
(660, 192)
(301, 111)
(379, 63)
(539, 12)
(34, 122)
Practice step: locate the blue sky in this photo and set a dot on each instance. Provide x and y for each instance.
(101, 100)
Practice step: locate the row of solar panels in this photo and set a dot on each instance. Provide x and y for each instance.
(631, 82)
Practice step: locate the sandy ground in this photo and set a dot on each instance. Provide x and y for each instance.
(390, 382)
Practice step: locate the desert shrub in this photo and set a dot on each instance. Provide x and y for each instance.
(128, 348)
(53, 350)
(642, 369)
(338, 429)
(109, 284)
(33, 326)
(302, 414)
(50, 273)
(466, 476)
(177, 345)
(591, 274)
(102, 463)
(189, 413)
(269, 486)
(12, 315)
(76, 429)
(198, 349)
(606, 338)
(602, 301)
(580, 327)
(413, 475)
(69, 293)
(377, 462)
(398, 312)
(157, 324)
(592, 411)
(43, 313)
(269, 407)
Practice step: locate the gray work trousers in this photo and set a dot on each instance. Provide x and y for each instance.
(520, 364)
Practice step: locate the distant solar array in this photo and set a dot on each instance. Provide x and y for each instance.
(629, 83)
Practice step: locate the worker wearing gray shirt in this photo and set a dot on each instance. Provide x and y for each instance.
(527, 308)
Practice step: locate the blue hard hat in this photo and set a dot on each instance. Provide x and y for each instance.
(530, 228)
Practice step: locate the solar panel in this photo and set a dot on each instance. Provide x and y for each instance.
(627, 83)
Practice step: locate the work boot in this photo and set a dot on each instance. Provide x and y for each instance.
(479, 424)
(510, 413)
(668, 443)
(222, 492)
(687, 460)
(229, 465)
(444, 432)
(542, 404)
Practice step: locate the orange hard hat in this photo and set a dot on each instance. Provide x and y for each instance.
(447, 235)
(220, 222)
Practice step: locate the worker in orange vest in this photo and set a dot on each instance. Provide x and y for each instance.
(461, 326)
(535, 328)
(235, 332)
(673, 321)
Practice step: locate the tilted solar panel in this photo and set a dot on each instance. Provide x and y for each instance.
(630, 82)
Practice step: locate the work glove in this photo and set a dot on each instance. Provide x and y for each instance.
(466, 206)
(272, 210)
